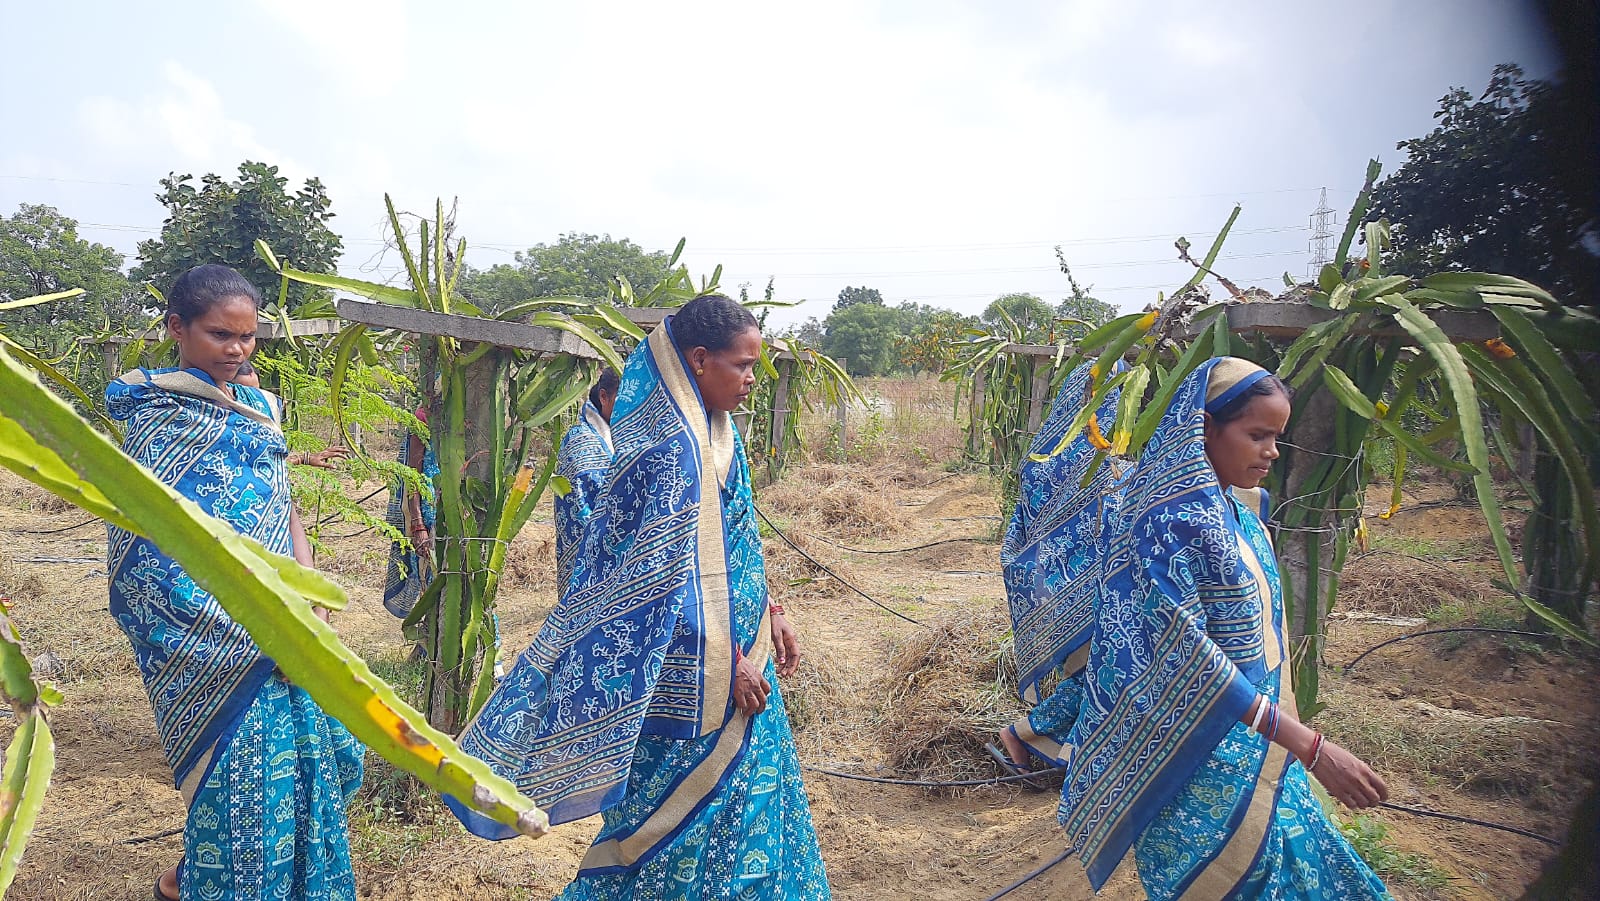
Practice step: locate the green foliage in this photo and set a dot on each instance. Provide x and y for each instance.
(219, 221)
(40, 254)
(852, 296)
(577, 265)
(863, 335)
(1031, 315)
(1502, 184)
(1370, 837)
(926, 336)
(1079, 313)
(515, 401)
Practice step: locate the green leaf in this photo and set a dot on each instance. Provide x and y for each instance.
(1358, 214)
(1346, 392)
(38, 299)
(1420, 448)
(1104, 333)
(1211, 255)
(30, 760)
(1490, 283)
(373, 290)
(1545, 360)
(1198, 351)
(55, 375)
(589, 336)
(1371, 288)
(1128, 407)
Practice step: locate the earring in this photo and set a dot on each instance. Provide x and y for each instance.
(699, 372)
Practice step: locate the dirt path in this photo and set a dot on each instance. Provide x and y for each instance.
(1460, 726)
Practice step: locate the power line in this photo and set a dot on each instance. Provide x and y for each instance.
(1116, 264)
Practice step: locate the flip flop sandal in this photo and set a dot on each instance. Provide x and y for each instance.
(1012, 768)
(161, 895)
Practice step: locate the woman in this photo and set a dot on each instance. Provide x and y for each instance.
(411, 513)
(265, 772)
(584, 460)
(1176, 722)
(648, 694)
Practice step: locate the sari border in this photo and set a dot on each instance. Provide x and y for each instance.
(711, 552)
(186, 383)
(600, 425)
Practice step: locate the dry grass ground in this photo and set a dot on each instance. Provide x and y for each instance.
(1477, 726)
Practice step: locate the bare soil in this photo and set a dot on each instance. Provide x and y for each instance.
(1476, 725)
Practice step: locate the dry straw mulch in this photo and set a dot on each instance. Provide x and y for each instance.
(1399, 585)
(950, 689)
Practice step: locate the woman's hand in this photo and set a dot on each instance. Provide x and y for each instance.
(785, 645)
(1348, 778)
(324, 459)
(422, 543)
(750, 688)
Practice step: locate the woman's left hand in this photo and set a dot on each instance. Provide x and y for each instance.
(785, 645)
(750, 688)
(324, 459)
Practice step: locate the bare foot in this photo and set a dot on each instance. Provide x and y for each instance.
(168, 883)
(1015, 749)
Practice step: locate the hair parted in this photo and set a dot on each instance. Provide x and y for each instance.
(711, 321)
(204, 286)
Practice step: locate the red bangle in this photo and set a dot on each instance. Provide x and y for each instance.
(776, 608)
(1316, 753)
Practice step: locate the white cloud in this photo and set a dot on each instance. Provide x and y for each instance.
(363, 43)
(182, 126)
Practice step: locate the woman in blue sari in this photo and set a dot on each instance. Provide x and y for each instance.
(411, 513)
(1173, 710)
(584, 460)
(649, 695)
(265, 772)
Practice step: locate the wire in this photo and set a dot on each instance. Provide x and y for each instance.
(896, 550)
(1031, 876)
(60, 530)
(1383, 644)
(820, 565)
(1423, 812)
(922, 783)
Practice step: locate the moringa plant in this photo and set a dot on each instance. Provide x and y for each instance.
(1357, 373)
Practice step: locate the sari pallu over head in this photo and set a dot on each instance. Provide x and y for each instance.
(201, 669)
(584, 461)
(644, 637)
(1049, 557)
(1183, 635)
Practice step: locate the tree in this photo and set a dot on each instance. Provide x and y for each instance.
(862, 335)
(577, 265)
(927, 335)
(41, 253)
(1031, 315)
(1500, 185)
(220, 221)
(849, 297)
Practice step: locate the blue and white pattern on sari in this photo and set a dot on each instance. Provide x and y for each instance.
(623, 702)
(1051, 568)
(584, 461)
(407, 576)
(200, 667)
(1188, 631)
(266, 773)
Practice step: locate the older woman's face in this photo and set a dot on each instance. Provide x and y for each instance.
(725, 377)
(1242, 451)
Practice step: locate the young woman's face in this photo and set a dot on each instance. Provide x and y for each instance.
(1242, 451)
(726, 376)
(217, 341)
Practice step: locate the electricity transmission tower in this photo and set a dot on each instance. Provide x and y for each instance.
(1321, 243)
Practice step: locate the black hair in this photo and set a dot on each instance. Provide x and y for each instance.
(1264, 387)
(711, 321)
(609, 383)
(202, 287)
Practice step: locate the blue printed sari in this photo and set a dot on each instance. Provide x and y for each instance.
(623, 705)
(265, 772)
(1187, 630)
(584, 460)
(407, 575)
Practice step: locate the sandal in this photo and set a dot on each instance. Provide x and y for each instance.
(163, 896)
(1013, 768)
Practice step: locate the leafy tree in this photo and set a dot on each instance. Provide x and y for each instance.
(849, 297)
(810, 332)
(863, 335)
(1079, 305)
(41, 253)
(219, 222)
(577, 265)
(1030, 314)
(927, 335)
(1501, 184)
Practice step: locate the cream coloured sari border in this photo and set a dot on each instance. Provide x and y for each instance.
(598, 423)
(710, 547)
(181, 382)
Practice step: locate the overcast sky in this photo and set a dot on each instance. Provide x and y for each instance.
(933, 150)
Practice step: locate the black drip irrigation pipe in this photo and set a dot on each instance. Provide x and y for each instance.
(60, 530)
(1031, 876)
(841, 580)
(923, 783)
(1424, 812)
(1383, 644)
(896, 550)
